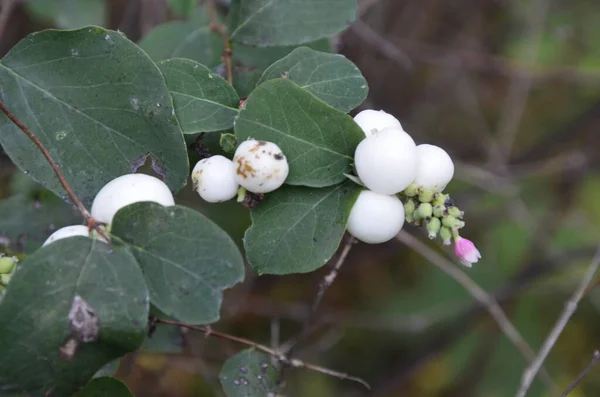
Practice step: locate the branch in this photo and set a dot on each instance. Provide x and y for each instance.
(221, 30)
(92, 224)
(290, 346)
(595, 360)
(485, 299)
(561, 323)
(5, 13)
(208, 331)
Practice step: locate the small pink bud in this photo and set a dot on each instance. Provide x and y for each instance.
(466, 251)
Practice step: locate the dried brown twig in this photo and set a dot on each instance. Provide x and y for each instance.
(221, 30)
(280, 356)
(92, 223)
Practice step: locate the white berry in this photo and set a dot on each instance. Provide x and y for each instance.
(214, 179)
(386, 162)
(69, 231)
(435, 168)
(261, 166)
(128, 189)
(376, 218)
(373, 121)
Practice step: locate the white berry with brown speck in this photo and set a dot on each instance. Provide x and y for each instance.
(261, 166)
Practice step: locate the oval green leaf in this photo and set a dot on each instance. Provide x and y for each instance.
(298, 229)
(38, 299)
(263, 57)
(187, 259)
(278, 23)
(330, 77)
(96, 102)
(318, 140)
(104, 387)
(26, 221)
(204, 101)
(191, 39)
(249, 374)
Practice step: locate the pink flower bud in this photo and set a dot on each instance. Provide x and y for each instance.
(466, 251)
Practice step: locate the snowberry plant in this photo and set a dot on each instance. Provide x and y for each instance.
(83, 110)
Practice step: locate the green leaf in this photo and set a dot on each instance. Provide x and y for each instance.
(187, 259)
(204, 101)
(96, 102)
(249, 374)
(182, 8)
(263, 57)
(330, 77)
(278, 23)
(165, 339)
(298, 229)
(68, 14)
(244, 81)
(104, 387)
(109, 369)
(318, 140)
(191, 39)
(38, 300)
(26, 221)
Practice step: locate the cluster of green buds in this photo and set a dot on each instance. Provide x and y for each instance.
(8, 265)
(437, 212)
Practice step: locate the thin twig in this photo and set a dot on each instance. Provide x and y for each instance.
(595, 360)
(561, 323)
(221, 30)
(520, 85)
(324, 285)
(5, 12)
(92, 224)
(485, 299)
(208, 331)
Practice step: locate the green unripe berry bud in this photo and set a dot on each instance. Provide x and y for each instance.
(409, 208)
(455, 212)
(440, 198)
(411, 190)
(439, 211)
(433, 227)
(425, 210)
(5, 279)
(425, 196)
(446, 235)
(449, 221)
(6, 264)
(416, 218)
(228, 142)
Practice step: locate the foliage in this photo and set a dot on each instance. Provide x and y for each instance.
(103, 106)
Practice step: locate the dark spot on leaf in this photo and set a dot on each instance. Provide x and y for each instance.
(314, 240)
(138, 162)
(158, 168)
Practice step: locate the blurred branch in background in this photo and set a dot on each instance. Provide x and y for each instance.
(6, 8)
(480, 295)
(595, 360)
(568, 311)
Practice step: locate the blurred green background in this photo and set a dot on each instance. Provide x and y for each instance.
(512, 90)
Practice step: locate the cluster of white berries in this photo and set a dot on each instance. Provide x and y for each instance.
(116, 194)
(257, 167)
(8, 265)
(405, 182)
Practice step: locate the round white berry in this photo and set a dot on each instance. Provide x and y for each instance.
(67, 231)
(376, 218)
(386, 162)
(261, 166)
(373, 121)
(128, 189)
(214, 179)
(435, 168)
